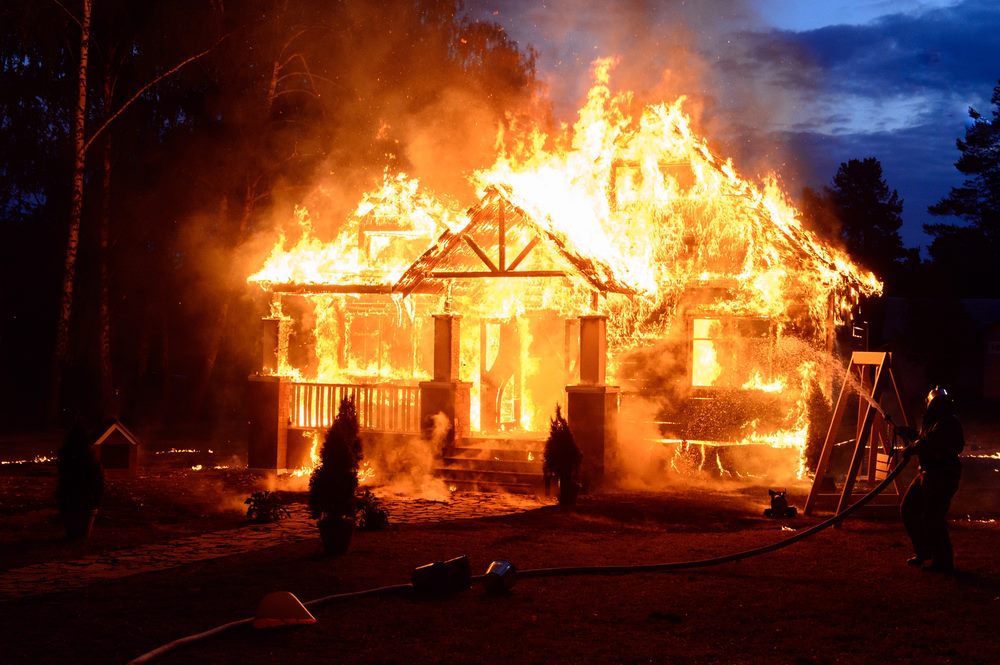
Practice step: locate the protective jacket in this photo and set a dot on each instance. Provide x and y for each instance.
(940, 442)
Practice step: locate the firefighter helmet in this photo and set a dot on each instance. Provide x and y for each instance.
(938, 393)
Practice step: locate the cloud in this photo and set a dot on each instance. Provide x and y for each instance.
(897, 88)
(892, 80)
(901, 69)
(916, 161)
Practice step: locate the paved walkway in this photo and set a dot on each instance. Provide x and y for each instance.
(56, 576)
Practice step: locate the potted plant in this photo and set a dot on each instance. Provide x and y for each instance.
(334, 482)
(562, 459)
(80, 483)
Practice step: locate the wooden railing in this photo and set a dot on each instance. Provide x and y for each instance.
(381, 407)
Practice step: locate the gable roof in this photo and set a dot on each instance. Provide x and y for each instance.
(121, 430)
(494, 222)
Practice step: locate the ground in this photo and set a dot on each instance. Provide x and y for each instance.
(172, 555)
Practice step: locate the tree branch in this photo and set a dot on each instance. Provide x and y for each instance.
(68, 13)
(143, 89)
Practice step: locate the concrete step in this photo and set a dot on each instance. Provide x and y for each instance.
(527, 480)
(461, 485)
(496, 463)
(493, 464)
(496, 454)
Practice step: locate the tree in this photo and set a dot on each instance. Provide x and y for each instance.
(864, 214)
(870, 215)
(36, 116)
(967, 257)
(75, 215)
(208, 151)
(81, 146)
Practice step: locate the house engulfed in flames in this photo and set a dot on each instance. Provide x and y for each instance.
(625, 264)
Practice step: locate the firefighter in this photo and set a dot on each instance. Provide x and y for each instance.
(925, 505)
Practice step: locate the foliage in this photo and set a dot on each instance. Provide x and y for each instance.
(978, 199)
(334, 482)
(81, 479)
(264, 507)
(372, 513)
(862, 212)
(562, 456)
(206, 157)
(966, 257)
(820, 413)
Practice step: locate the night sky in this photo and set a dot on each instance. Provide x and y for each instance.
(790, 86)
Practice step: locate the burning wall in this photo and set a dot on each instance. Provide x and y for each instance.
(627, 213)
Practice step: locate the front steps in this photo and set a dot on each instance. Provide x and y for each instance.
(493, 464)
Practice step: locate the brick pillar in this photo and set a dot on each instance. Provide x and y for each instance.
(267, 421)
(446, 393)
(592, 406)
(447, 340)
(593, 350)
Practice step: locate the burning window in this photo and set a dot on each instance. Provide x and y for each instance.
(730, 352)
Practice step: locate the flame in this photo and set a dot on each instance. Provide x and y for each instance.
(391, 225)
(636, 189)
(366, 473)
(758, 382)
(628, 213)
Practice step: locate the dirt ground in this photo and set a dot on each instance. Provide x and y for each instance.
(842, 596)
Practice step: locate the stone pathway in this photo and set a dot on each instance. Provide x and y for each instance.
(56, 576)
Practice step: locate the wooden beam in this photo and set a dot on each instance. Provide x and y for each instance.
(320, 289)
(524, 253)
(446, 274)
(481, 254)
(502, 236)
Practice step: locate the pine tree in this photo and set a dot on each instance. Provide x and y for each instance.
(966, 257)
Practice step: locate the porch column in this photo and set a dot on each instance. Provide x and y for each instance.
(445, 393)
(267, 421)
(592, 406)
(274, 343)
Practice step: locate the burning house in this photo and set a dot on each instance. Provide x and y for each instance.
(623, 263)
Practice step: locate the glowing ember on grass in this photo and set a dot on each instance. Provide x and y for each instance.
(37, 459)
(177, 451)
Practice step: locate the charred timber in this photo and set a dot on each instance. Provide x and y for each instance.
(324, 289)
(443, 274)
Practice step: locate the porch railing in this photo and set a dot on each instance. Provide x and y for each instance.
(381, 407)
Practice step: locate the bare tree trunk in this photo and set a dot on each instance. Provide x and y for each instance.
(61, 354)
(104, 300)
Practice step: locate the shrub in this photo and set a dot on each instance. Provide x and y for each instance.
(334, 482)
(264, 507)
(820, 412)
(372, 513)
(562, 459)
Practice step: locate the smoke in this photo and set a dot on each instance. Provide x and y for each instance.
(741, 79)
(405, 465)
(670, 435)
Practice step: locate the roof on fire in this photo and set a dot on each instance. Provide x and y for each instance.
(479, 250)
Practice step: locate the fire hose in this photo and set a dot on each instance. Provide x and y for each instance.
(531, 573)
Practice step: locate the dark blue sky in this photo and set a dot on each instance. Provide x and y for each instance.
(793, 86)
